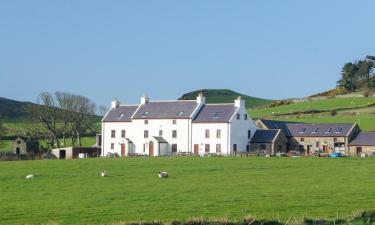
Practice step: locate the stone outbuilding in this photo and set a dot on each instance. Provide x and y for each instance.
(269, 142)
(363, 144)
(25, 146)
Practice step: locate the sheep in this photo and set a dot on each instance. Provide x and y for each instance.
(30, 176)
(104, 173)
(163, 175)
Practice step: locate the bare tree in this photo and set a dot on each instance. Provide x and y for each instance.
(65, 101)
(48, 114)
(83, 118)
(102, 110)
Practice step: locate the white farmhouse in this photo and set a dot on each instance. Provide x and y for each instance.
(159, 128)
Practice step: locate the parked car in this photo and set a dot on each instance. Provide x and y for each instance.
(337, 155)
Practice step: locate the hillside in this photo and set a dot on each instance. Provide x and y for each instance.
(225, 96)
(341, 109)
(14, 111)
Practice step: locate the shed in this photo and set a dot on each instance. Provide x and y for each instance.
(25, 146)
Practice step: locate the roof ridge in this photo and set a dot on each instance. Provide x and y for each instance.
(158, 101)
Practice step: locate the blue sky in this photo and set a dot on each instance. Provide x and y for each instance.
(105, 49)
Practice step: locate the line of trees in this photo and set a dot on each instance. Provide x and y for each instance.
(358, 75)
(63, 115)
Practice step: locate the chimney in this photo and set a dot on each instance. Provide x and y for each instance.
(144, 99)
(201, 99)
(115, 103)
(239, 102)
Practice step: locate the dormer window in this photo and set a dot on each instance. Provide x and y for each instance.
(315, 130)
(302, 131)
(122, 116)
(339, 130)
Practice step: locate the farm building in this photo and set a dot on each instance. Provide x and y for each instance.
(363, 144)
(157, 128)
(269, 142)
(76, 152)
(310, 139)
(25, 146)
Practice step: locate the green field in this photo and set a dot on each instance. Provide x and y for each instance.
(72, 192)
(349, 110)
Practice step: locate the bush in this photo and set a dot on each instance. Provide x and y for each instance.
(333, 112)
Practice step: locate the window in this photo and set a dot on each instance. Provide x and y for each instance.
(235, 147)
(207, 148)
(248, 148)
(218, 148)
(245, 116)
(329, 130)
(113, 134)
(302, 140)
(174, 122)
(145, 114)
(160, 133)
(145, 134)
(112, 146)
(218, 133)
(335, 140)
(146, 122)
(249, 134)
(174, 147)
(180, 113)
(174, 133)
(303, 130)
(238, 116)
(317, 144)
(121, 116)
(216, 115)
(338, 130)
(207, 133)
(263, 147)
(315, 130)
(123, 134)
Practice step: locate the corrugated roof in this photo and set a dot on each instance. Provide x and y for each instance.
(215, 113)
(309, 129)
(265, 136)
(364, 139)
(122, 113)
(166, 110)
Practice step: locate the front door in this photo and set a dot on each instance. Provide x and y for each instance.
(359, 151)
(151, 149)
(196, 149)
(62, 154)
(123, 150)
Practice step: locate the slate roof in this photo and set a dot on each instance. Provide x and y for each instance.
(292, 129)
(160, 140)
(265, 136)
(122, 113)
(215, 113)
(166, 110)
(364, 139)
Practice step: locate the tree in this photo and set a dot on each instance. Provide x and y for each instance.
(1, 131)
(64, 101)
(48, 114)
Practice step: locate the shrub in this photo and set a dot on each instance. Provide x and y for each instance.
(333, 112)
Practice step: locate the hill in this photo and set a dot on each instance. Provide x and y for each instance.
(72, 191)
(14, 111)
(225, 96)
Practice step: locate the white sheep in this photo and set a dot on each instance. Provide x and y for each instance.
(30, 176)
(104, 173)
(163, 175)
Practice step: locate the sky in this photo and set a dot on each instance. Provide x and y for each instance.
(105, 49)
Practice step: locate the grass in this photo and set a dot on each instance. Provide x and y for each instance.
(328, 104)
(72, 192)
(351, 110)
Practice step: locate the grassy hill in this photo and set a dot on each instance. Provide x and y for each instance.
(14, 111)
(359, 110)
(72, 191)
(225, 96)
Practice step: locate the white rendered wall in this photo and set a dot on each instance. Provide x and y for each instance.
(199, 137)
(107, 140)
(239, 130)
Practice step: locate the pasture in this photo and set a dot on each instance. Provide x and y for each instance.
(72, 192)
